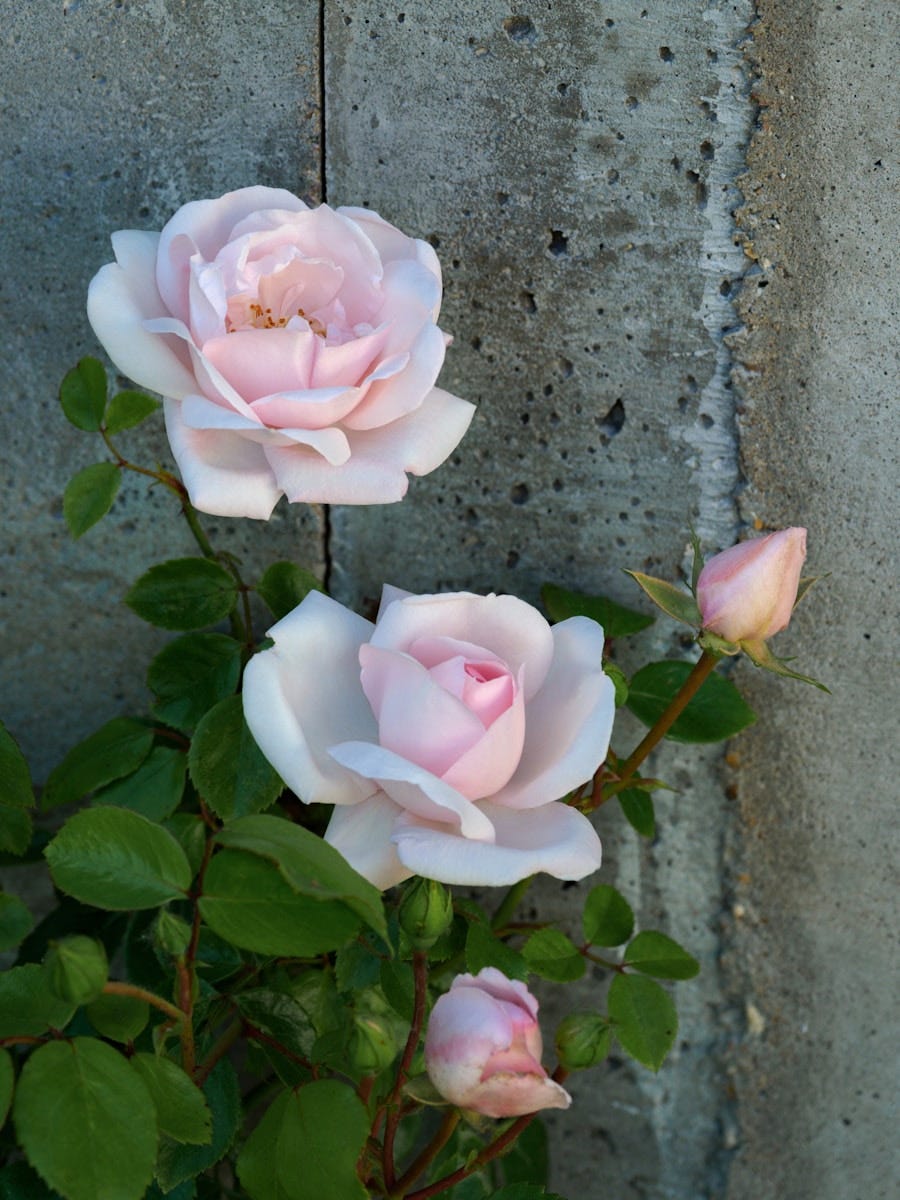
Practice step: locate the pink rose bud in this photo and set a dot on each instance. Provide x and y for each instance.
(747, 593)
(483, 1048)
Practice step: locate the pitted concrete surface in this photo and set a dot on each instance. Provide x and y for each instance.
(575, 164)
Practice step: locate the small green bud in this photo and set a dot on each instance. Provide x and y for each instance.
(582, 1040)
(426, 912)
(372, 1044)
(76, 969)
(171, 934)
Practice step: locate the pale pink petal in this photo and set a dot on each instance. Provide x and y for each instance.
(260, 362)
(748, 591)
(409, 295)
(349, 363)
(555, 838)
(389, 594)
(492, 760)
(362, 833)
(121, 297)
(305, 476)
(207, 378)
(414, 789)
(421, 441)
(391, 244)
(515, 1095)
(505, 626)
(225, 473)
(386, 400)
(315, 408)
(303, 695)
(501, 987)
(199, 413)
(568, 722)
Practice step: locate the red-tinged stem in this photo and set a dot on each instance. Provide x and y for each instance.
(113, 988)
(420, 977)
(219, 1050)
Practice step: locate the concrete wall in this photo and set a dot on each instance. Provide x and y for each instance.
(641, 359)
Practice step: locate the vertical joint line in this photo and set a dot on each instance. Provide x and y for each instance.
(323, 196)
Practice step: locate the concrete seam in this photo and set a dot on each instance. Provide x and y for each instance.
(327, 531)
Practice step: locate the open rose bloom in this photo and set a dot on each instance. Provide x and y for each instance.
(483, 1048)
(297, 349)
(445, 733)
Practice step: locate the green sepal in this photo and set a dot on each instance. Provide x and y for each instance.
(672, 600)
(804, 586)
(127, 409)
(89, 496)
(619, 680)
(697, 560)
(82, 394)
(583, 1040)
(617, 620)
(760, 654)
(717, 645)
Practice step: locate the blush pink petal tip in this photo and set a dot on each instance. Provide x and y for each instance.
(309, 335)
(747, 592)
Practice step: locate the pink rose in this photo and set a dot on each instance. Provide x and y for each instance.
(296, 347)
(444, 733)
(483, 1048)
(747, 592)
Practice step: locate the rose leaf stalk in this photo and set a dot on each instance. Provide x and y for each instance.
(420, 976)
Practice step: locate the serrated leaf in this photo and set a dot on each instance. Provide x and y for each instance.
(15, 779)
(718, 711)
(483, 949)
(637, 808)
(644, 1019)
(7, 1084)
(16, 922)
(19, 1181)
(671, 599)
(550, 954)
(760, 654)
(119, 1018)
(227, 767)
(178, 1162)
(656, 954)
(183, 593)
(154, 790)
(82, 394)
(115, 859)
(280, 1017)
(127, 409)
(27, 1007)
(247, 901)
(284, 585)
(86, 1121)
(310, 865)
(616, 619)
(89, 496)
(181, 1108)
(608, 919)
(116, 749)
(191, 675)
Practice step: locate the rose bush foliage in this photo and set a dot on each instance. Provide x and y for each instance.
(445, 734)
(297, 349)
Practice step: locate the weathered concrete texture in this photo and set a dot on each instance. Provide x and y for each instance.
(816, 1075)
(114, 114)
(574, 164)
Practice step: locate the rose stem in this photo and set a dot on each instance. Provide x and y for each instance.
(420, 977)
(510, 902)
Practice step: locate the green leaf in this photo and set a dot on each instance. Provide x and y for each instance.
(120, 1018)
(309, 864)
(116, 749)
(7, 1083)
(191, 674)
(178, 1162)
(483, 949)
(278, 1016)
(608, 919)
(356, 966)
(16, 921)
(655, 954)
(86, 1121)
(644, 1019)
(671, 599)
(189, 831)
(227, 767)
(27, 1007)
(760, 654)
(527, 1161)
(617, 621)
(398, 985)
(550, 954)
(181, 1108)
(15, 830)
(248, 902)
(76, 968)
(89, 496)
(127, 409)
(154, 790)
(307, 1145)
(637, 808)
(718, 711)
(284, 585)
(82, 395)
(115, 859)
(620, 682)
(15, 781)
(19, 1181)
(183, 593)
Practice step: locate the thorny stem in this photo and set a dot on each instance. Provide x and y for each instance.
(114, 988)
(420, 977)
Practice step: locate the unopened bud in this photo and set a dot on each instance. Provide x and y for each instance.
(76, 969)
(372, 1043)
(171, 934)
(426, 912)
(582, 1041)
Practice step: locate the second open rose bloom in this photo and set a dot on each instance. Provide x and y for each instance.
(445, 734)
(297, 349)
(747, 593)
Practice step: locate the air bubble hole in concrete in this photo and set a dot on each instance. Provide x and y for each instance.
(558, 244)
(519, 29)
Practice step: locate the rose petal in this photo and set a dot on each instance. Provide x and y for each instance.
(515, 1095)
(224, 472)
(303, 695)
(387, 400)
(121, 296)
(554, 838)
(312, 409)
(501, 987)
(199, 413)
(259, 362)
(492, 761)
(362, 833)
(391, 244)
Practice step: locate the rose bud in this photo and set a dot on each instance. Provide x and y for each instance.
(483, 1048)
(76, 969)
(747, 593)
(426, 912)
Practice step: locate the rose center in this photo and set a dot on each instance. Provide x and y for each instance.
(252, 315)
